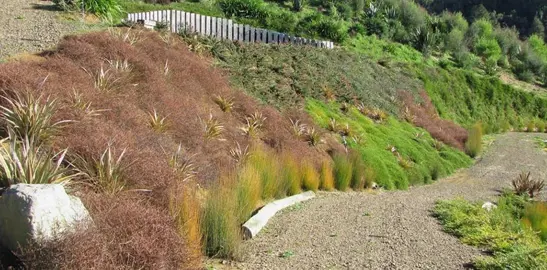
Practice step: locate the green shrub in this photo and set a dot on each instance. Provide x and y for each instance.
(342, 172)
(488, 48)
(540, 125)
(473, 145)
(244, 9)
(531, 126)
(500, 230)
(108, 9)
(465, 59)
(535, 217)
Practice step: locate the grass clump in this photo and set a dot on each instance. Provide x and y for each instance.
(473, 146)
(524, 184)
(505, 230)
(267, 165)
(290, 175)
(220, 226)
(106, 173)
(30, 163)
(310, 177)
(156, 121)
(358, 179)
(343, 171)
(327, 176)
(30, 116)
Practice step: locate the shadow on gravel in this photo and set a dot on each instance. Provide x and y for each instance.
(46, 7)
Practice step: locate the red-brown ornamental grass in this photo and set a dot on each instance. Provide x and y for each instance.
(423, 114)
(112, 85)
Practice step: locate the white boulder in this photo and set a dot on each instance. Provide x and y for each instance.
(34, 213)
(488, 206)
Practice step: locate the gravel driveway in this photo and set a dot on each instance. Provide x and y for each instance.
(390, 230)
(31, 26)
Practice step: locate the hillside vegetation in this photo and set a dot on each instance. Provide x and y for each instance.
(474, 41)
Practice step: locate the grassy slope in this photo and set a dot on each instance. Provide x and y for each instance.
(375, 147)
(286, 75)
(466, 97)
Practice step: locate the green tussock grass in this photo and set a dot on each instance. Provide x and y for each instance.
(506, 230)
(383, 165)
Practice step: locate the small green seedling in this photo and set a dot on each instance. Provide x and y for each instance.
(286, 254)
(366, 214)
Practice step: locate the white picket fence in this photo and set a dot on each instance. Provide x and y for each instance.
(220, 28)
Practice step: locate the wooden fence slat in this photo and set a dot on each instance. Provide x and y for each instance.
(230, 27)
(203, 25)
(235, 32)
(214, 29)
(198, 23)
(247, 33)
(239, 32)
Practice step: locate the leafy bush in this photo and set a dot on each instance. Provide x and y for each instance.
(244, 9)
(465, 59)
(108, 9)
(535, 217)
(473, 146)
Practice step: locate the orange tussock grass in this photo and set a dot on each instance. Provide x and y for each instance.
(185, 207)
(291, 176)
(327, 176)
(425, 115)
(310, 176)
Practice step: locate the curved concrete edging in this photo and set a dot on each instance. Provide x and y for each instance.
(253, 226)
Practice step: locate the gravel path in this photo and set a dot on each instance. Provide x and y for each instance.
(389, 230)
(31, 26)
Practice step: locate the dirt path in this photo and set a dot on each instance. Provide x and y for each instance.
(391, 230)
(30, 26)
